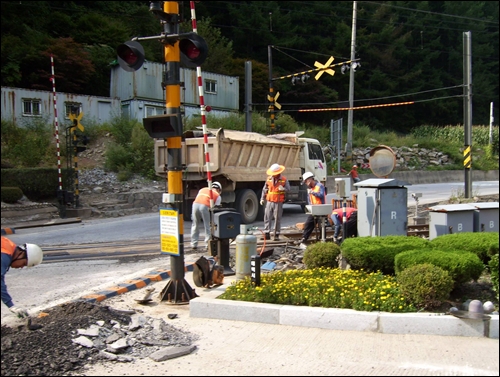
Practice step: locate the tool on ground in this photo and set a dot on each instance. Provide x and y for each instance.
(31, 326)
(147, 297)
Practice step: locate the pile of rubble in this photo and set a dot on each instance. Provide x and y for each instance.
(72, 335)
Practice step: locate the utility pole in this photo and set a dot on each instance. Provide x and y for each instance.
(270, 96)
(348, 149)
(248, 96)
(467, 114)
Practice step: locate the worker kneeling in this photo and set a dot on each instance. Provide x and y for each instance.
(337, 218)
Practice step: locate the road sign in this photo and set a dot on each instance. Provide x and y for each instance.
(321, 66)
(76, 121)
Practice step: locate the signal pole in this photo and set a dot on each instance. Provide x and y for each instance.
(192, 49)
(348, 148)
(177, 289)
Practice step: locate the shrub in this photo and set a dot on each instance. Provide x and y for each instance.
(378, 253)
(425, 285)
(11, 194)
(462, 267)
(493, 266)
(474, 242)
(322, 254)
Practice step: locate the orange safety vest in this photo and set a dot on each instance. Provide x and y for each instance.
(273, 194)
(314, 199)
(203, 196)
(8, 247)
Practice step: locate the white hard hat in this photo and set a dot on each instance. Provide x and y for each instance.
(217, 185)
(307, 175)
(34, 254)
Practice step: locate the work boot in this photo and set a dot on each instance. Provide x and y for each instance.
(267, 236)
(276, 237)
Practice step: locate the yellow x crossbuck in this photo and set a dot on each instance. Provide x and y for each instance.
(320, 66)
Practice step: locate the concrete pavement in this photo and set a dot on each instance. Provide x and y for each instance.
(251, 339)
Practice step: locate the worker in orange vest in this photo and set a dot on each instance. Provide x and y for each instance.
(274, 194)
(316, 195)
(27, 255)
(201, 212)
(354, 174)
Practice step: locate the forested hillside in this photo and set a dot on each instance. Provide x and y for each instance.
(410, 51)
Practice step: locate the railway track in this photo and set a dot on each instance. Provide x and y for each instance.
(148, 248)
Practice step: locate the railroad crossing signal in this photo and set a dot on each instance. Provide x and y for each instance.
(273, 101)
(75, 118)
(321, 66)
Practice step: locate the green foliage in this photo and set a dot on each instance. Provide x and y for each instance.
(462, 266)
(322, 254)
(324, 287)
(493, 266)
(475, 242)
(35, 183)
(425, 285)
(132, 151)
(11, 194)
(29, 145)
(378, 253)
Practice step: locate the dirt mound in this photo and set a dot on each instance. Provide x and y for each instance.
(52, 351)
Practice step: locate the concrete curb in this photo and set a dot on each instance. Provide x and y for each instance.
(39, 223)
(343, 319)
(131, 285)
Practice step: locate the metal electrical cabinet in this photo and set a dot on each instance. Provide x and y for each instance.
(450, 218)
(382, 207)
(485, 216)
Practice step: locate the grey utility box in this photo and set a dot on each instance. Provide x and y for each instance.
(450, 218)
(485, 216)
(382, 207)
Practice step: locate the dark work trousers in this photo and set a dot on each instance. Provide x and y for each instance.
(274, 211)
(309, 226)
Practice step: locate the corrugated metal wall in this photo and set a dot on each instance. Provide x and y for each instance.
(95, 109)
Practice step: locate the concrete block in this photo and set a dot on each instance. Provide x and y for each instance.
(171, 353)
(329, 318)
(235, 310)
(430, 324)
(493, 330)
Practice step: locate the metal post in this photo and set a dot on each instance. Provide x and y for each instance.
(248, 96)
(271, 89)
(348, 149)
(177, 290)
(467, 55)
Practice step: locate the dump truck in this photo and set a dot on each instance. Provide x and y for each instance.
(239, 161)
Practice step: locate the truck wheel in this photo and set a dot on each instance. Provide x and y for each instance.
(260, 213)
(247, 205)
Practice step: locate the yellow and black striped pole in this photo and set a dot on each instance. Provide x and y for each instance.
(177, 290)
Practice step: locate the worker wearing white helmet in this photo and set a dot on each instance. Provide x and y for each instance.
(316, 194)
(27, 255)
(204, 200)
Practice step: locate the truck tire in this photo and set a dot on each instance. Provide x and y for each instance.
(262, 209)
(247, 205)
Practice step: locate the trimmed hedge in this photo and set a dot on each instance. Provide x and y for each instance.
(478, 243)
(11, 194)
(322, 254)
(36, 183)
(462, 266)
(378, 253)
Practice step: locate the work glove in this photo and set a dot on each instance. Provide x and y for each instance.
(309, 190)
(262, 202)
(281, 188)
(20, 312)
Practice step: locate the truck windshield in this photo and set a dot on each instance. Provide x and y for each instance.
(315, 152)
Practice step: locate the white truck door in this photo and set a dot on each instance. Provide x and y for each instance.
(314, 159)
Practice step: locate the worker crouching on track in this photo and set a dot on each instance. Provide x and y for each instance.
(337, 218)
